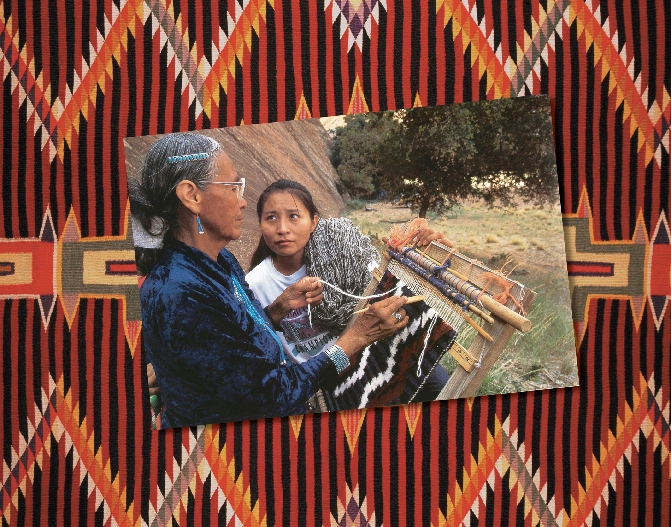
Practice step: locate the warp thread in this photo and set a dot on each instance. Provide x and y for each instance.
(426, 343)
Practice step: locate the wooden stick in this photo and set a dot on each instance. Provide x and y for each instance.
(411, 300)
(474, 309)
(471, 307)
(478, 328)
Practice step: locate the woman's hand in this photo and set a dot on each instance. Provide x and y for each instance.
(151, 380)
(308, 290)
(426, 236)
(379, 322)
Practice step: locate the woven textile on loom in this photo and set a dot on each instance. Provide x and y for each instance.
(385, 373)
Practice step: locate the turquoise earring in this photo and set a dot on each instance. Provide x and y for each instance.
(200, 226)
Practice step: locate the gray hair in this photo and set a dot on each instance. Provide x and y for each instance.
(154, 202)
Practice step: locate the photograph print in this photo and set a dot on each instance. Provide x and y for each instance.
(350, 262)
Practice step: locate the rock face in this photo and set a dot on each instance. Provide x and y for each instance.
(297, 150)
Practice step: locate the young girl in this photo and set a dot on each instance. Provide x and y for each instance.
(295, 242)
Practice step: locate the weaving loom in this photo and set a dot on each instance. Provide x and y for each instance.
(385, 373)
(456, 289)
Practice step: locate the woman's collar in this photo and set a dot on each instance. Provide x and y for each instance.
(224, 259)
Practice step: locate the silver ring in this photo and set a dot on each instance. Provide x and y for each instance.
(398, 317)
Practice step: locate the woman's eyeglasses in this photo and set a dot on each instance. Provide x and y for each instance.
(239, 184)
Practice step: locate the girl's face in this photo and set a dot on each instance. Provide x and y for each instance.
(286, 224)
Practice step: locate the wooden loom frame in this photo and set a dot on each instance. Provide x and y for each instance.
(465, 382)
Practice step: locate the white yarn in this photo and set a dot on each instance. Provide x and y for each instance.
(426, 343)
(340, 254)
(352, 296)
(357, 296)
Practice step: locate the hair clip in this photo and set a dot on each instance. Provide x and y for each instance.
(188, 157)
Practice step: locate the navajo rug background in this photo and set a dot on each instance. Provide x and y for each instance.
(76, 444)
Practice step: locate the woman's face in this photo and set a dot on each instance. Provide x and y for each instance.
(286, 224)
(221, 209)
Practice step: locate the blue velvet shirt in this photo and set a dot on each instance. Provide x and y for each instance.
(213, 361)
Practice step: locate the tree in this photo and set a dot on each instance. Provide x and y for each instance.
(515, 151)
(355, 152)
(425, 157)
(435, 157)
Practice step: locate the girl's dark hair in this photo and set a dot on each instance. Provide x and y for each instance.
(153, 200)
(283, 185)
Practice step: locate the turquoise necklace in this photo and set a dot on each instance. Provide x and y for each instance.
(256, 316)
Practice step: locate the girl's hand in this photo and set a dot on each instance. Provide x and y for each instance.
(308, 290)
(426, 236)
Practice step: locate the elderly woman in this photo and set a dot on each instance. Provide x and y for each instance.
(213, 348)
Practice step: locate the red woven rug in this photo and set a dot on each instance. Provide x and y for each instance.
(77, 447)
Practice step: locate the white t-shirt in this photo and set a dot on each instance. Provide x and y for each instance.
(300, 340)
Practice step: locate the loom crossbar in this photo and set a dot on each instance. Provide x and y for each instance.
(473, 271)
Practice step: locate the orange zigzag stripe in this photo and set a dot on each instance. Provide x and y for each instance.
(27, 69)
(482, 53)
(84, 94)
(64, 422)
(239, 41)
(222, 466)
(100, 472)
(638, 418)
(474, 478)
(63, 119)
(618, 446)
(481, 472)
(203, 459)
(625, 89)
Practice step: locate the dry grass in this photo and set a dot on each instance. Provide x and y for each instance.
(471, 225)
(519, 242)
(539, 244)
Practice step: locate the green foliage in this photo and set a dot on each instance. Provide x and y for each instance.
(515, 149)
(355, 152)
(433, 158)
(426, 155)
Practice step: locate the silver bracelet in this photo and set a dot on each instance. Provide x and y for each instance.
(339, 358)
